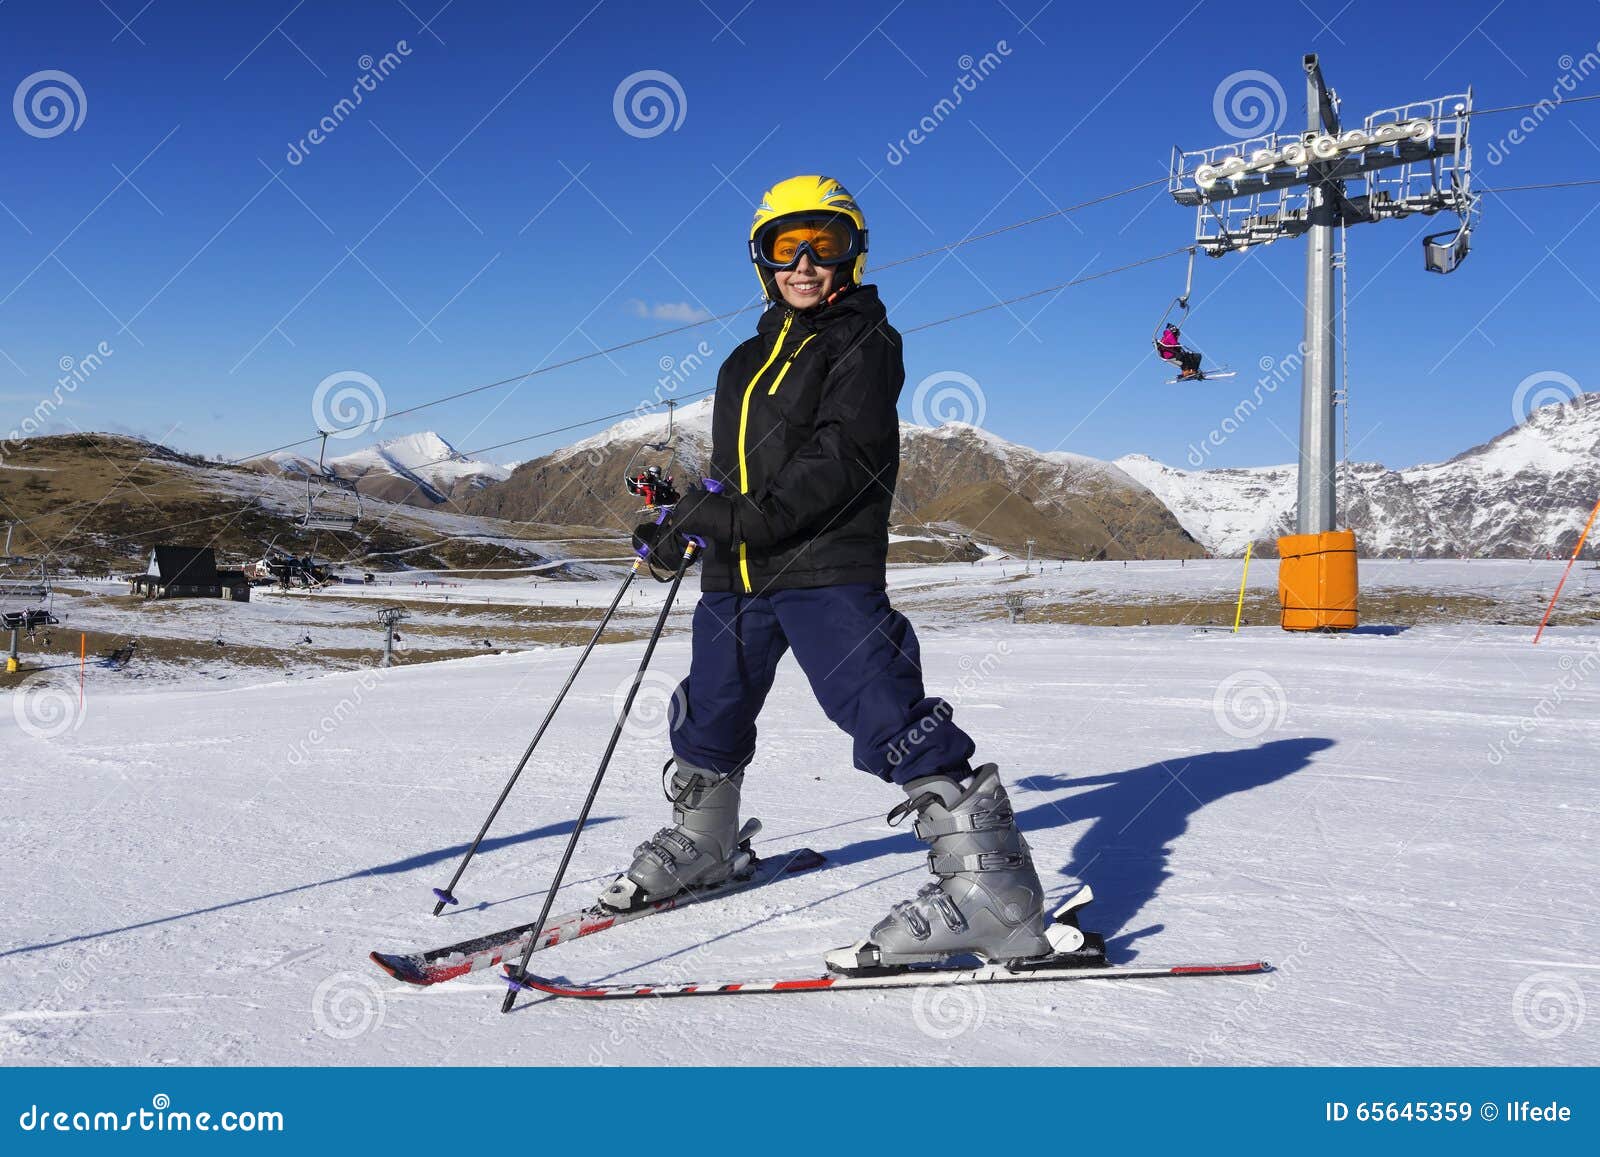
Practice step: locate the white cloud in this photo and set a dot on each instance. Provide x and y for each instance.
(679, 311)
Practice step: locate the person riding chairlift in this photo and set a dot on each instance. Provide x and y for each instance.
(655, 488)
(1169, 346)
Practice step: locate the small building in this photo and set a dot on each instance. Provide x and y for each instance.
(182, 572)
(235, 585)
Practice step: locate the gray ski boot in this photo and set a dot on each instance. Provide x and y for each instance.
(706, 847)
(987, 900)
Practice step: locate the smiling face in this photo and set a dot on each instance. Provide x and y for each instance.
(807, 284)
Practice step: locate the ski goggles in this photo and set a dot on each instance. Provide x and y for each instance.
(828, 238)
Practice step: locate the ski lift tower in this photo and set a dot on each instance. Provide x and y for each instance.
(389, 617)
(1412, 158)
(24, 606)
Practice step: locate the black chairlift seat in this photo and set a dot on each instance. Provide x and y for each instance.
(27, 620)
(324, 519)
(26, 590)
(319, 520)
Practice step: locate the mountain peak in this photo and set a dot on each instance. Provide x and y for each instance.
(410, 451)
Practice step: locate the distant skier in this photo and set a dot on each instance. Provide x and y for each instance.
(1170, 346)
(805, 447)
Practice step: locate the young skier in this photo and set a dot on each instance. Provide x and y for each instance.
(805, 450)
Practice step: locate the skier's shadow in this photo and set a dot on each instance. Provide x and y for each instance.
(1137, 816)
(393, 868)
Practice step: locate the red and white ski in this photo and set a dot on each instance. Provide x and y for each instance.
(909, 978)
(453, 960)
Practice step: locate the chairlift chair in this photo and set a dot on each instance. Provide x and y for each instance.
(19, 592)
(1443, 252)
(652, 481)
(325, 519)
(1181, 304)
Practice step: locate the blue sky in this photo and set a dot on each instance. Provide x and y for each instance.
(483, 211)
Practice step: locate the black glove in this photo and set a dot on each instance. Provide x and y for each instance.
(661, 543)
(709, 515)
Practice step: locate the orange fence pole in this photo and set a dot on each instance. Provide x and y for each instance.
(83, 661)
(1575, 552)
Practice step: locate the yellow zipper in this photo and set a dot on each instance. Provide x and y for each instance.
(744, 424)
(778, 381)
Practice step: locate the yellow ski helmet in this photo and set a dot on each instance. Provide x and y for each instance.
(807, 214)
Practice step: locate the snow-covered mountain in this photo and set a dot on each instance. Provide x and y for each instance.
(1526, 492)
(959, 485)
(414, 469)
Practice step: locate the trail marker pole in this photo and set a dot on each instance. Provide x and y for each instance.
(1575, 552)
(1238, 612)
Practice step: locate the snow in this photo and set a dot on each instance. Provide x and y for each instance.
(1006, 450)
(690, 421)
(289, 462)
(1524, 489)
(1223, 510)
(425, 457)
(1405, 825)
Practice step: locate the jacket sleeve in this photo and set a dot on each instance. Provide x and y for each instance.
(851, 451)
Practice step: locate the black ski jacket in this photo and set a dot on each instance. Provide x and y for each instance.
(805, 440)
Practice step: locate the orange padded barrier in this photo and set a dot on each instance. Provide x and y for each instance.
(1317, 581)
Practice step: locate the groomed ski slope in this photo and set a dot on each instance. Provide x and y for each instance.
(192, 878)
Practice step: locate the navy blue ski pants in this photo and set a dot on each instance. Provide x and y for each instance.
(864, 665)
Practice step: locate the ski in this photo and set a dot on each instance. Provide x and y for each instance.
(907, 978)
(453, 960)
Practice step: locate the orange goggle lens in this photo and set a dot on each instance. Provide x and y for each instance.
(830, 242)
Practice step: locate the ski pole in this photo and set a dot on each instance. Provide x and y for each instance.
(447, 893)
(515, 979)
